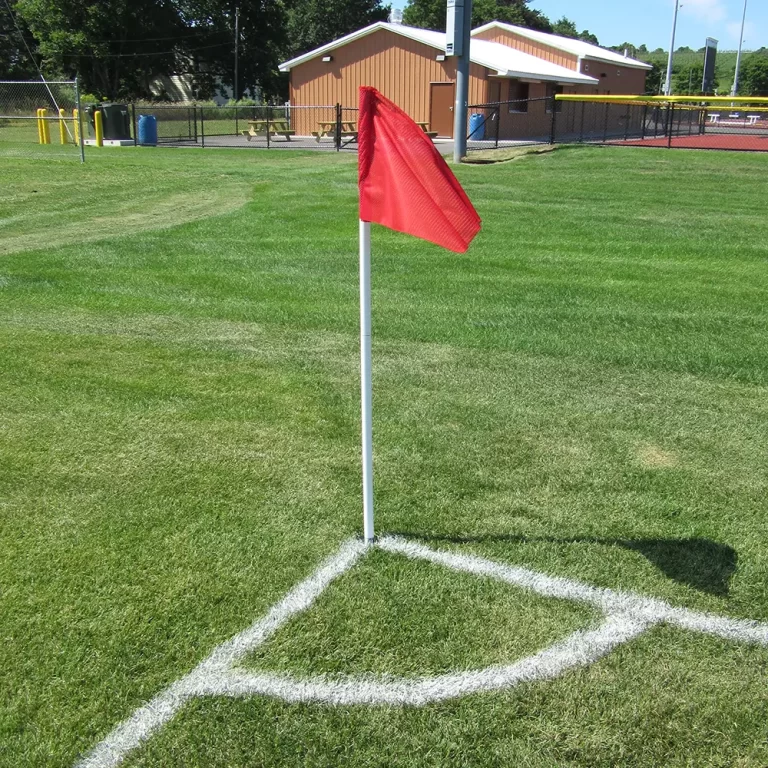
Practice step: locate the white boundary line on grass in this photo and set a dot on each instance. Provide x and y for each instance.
(626, 616)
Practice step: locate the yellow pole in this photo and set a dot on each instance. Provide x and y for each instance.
(62, 128)
(98, 128)
(662, 99)
(46, 126)
(40, 136)
(76, 127)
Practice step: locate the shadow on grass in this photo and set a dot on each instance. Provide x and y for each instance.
(702, 564)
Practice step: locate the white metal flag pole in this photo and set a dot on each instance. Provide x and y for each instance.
(366, 381)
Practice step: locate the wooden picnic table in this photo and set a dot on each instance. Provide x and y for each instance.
(327, 129)
(424, 125)
(275, 127)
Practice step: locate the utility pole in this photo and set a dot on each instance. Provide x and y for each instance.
(457, 41)
(668, 81)
(236, 93)
(735, 86)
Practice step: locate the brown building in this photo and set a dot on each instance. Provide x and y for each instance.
(408, 65)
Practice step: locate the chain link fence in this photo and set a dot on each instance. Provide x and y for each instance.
(40, 119)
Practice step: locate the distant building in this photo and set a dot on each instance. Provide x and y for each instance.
(409, 66)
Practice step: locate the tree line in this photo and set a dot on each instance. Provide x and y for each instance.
(119, 48)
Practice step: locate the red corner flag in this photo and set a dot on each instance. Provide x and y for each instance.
(404, 182)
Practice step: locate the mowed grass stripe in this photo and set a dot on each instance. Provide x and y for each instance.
(582, 393)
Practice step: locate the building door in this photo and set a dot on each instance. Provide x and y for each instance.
(441, 96)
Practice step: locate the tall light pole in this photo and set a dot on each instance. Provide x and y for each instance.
(668, 81)
(735, 86)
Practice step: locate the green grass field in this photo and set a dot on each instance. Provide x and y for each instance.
(584, 393)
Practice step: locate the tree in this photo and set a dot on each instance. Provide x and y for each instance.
(115, 46)
(654, 79)
(753, 74)
(566, 28)
(207, 48)
(15, 37)
(312, 23)
(430, 14)
(686, 81)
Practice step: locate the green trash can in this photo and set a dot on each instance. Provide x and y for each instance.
(116, 119)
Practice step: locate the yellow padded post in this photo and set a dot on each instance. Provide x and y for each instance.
(98, 128)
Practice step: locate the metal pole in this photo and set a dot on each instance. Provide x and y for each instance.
(366, 377)
(668, 81)
(462, 89)
(552, 123)
(237, 44)
(79, 119)
(670, 118)
(735, 86)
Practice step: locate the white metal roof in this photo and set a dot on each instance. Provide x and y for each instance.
(426, 36)
(509, 62)
(501, 59)
(569, 45)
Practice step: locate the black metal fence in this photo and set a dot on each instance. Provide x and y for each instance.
(549, 121)
(309, 127)
(489, 126)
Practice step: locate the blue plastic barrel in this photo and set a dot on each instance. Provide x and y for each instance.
(476, 126)
(147, 130)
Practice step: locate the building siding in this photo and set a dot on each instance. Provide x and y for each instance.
(614, 79)
(520, 43)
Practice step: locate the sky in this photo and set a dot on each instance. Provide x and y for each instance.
(650, 21)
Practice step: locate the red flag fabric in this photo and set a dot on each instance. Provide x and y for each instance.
(404, 182)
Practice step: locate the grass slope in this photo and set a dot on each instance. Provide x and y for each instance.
(583, 393)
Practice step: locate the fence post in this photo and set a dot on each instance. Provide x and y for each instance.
(79, 127)
(268, 110)
(202, 126)
(552, 122)
(645, 117)
(581, 127)
(134, 127)
(605, 122)
(98, 127)
(628, 119)
(337, 130)
(237, 127)
(497, 118)
(194, 119)
(62, 127)
(671, 116)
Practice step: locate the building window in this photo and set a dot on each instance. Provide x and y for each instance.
(518, 96)
(553, 89)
